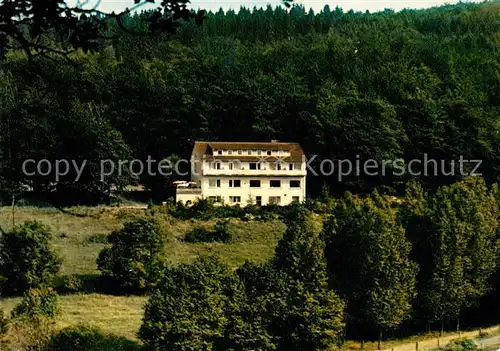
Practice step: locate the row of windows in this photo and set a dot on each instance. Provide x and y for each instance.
(273, 200)
(258, 165)
(251, 152)
(236, 183)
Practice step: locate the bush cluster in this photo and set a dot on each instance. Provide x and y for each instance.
(37, 303)
(27, 259)
(84, 338)
(204, 209)
(219, 233)
(135, 259)
(461, 345)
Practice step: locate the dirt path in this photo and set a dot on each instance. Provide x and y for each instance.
(435, 343)
(488, 341)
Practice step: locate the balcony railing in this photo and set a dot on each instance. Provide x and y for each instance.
(254, 172)
(188, 190)
(188, 187)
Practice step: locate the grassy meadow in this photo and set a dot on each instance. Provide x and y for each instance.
(78, 238)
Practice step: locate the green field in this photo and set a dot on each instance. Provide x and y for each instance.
(121, 315)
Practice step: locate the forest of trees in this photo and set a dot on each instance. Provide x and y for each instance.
(376, 269)
(382, 86)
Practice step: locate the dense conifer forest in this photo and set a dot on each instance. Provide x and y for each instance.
(345, 85)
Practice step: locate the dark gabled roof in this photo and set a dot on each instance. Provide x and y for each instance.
(207, 147)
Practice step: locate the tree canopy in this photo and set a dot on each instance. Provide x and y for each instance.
(345, 85)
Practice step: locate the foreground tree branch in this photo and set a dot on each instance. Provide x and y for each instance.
(25, 24)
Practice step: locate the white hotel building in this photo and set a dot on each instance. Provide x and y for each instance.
(240, 173)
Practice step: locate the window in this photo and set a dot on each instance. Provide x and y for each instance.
(278, 165)
(230, 165)
(249, 152)
(236, 183)
(274, 200)
(269, 153)
(254, 165)
(295, 199)
(214, 183)
(297, 166)
(258, 200)
(259, 152)
(219, 152)
(275, 183)
(215, 198)
(295, 184)
(234, 199)
(230, 152)
(290, 166)
(216, 165)
(255, 184)
(240, 152)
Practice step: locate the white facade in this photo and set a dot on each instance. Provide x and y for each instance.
(246, 173)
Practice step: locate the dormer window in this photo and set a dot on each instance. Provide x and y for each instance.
(219, 152)
(259, 152)
(249, 152)
(269, 153)
(240, 152)
(230, 152)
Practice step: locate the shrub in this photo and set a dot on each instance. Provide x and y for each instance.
(461, 345)
(198, 234)
(267, 216)
(26, 258)
(220, 233)
(135, 259)
(4, 327)
(97, 239)
(71, 284)
(29, 334)
(4, 323)
(468, 345)
(83, 338)
(37, 303)
(199, 307)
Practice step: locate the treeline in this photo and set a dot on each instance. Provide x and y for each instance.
(379, 86)
(376, 269)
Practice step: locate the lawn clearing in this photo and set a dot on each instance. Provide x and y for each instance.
(74, 228)
(117, 315)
